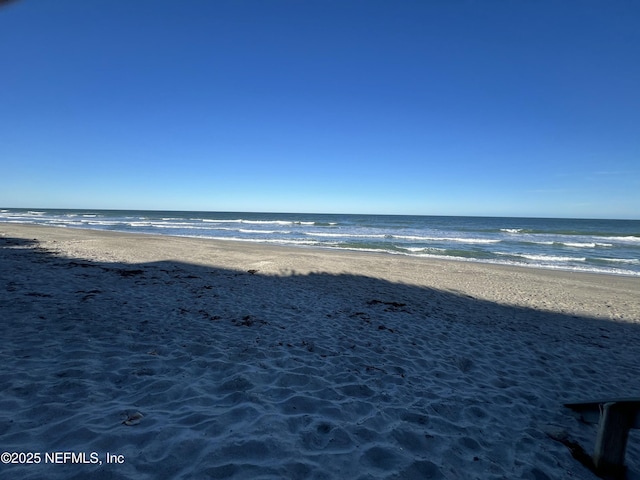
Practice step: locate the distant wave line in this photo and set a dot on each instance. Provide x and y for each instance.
(404, 237)
(543, 258)
(264, 222)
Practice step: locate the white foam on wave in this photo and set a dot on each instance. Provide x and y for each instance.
(474, 240)
(208, 220)
(585, 244)
(268, 222)
(105, 223)
(630, 261)
(422, 249)
(195, 227)
(258, 240)
(511, 230)
(62, 221)
(628, 238)
(591, 244)
(158, 224)
(251, 222)
(140, 224)
(550, 258)
(169, 226)
(369, 250)
(446, 239)
(259, 222)
(343, 235)
(266, 232)
(172, 224)
(571, 244)
(438, 256)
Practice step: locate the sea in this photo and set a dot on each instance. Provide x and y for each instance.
(599, 246)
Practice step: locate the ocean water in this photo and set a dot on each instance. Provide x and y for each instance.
(601, 246)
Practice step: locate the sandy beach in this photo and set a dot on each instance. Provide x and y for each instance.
(163, 357)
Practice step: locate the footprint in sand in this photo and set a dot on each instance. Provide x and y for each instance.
(133, 419)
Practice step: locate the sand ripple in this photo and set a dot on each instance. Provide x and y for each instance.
(194, 372)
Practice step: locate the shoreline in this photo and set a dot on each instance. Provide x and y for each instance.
(464, 277)
(573, 245)
(275, 244)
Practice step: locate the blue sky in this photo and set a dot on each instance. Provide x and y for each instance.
(524, 108)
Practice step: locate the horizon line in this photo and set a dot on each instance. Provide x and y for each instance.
(541, 217)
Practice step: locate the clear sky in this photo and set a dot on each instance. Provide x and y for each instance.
(443, 107)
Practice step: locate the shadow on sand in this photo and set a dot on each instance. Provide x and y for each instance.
(235, 374)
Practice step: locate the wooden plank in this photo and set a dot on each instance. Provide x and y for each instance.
(591, 403)
(590, 411)
(613, 433)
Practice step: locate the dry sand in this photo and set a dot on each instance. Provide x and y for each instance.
(193, 358)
